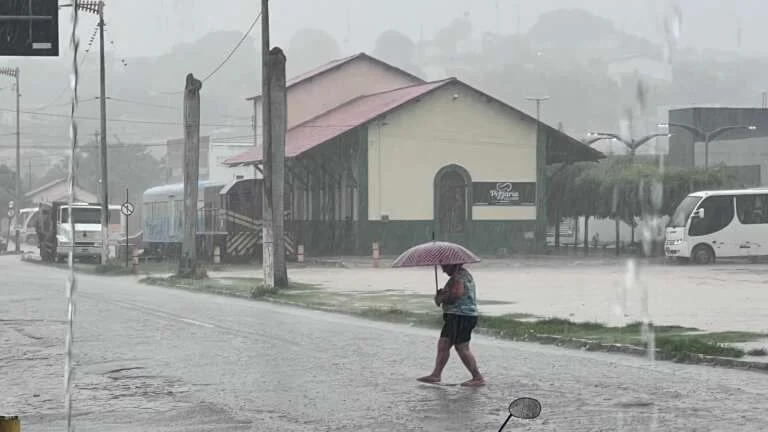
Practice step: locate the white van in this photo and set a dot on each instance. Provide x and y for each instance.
(719, 224)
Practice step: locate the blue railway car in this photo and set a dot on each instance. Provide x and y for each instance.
(228, 216)
(163, 217)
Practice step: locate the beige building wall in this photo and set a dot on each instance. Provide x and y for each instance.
(453, 125)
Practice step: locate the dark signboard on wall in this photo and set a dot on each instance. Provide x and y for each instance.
(29, 28)
(503, 194)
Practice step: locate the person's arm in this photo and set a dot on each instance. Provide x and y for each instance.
(453, 290)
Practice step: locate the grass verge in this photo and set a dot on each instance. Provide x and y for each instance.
(229, 286)
(674, 343)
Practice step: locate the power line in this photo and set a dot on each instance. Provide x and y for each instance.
(153, 105)
(133, 121)
(41, 144)
(232, 52)
(147, 104)
(82, 62)
(138, 103)
(229, 56)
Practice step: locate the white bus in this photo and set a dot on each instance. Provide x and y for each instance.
(719, 224)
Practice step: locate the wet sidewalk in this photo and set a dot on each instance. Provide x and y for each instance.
(725, 297)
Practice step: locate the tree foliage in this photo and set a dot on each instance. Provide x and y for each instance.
(397, 49)
(129, 167)
(617, 188)
(310, 48)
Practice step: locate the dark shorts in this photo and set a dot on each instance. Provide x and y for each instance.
(458, 328)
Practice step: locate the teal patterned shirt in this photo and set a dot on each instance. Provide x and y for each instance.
(467, 303)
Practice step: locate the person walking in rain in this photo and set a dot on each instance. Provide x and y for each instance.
(459, 306)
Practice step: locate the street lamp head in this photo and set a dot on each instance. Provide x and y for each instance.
(663, 125)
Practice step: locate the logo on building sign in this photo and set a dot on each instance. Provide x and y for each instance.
(504, 193)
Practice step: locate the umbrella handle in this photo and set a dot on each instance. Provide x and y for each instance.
(436, 285)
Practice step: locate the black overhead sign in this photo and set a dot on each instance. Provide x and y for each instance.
(503, 194)
(29, 28)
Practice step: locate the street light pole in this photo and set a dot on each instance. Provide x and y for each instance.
(15, 73)
(541, 178)
(632, 144)
(707, 136)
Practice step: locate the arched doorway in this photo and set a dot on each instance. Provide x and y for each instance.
(453, 208)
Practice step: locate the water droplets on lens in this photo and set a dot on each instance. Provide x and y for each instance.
(71, 283)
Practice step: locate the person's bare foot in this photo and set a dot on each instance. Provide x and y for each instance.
(474, 382)
(430, 379)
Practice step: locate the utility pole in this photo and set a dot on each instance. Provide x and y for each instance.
(103, 143)
(97, 7)
(541, 177)
(267, 233)
(188, 259)
(279, 123)
(14, 73)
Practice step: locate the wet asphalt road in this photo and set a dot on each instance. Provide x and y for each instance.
(169, 360)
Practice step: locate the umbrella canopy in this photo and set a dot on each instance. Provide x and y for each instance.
(435, 253)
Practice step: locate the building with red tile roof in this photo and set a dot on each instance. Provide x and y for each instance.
(395, 165)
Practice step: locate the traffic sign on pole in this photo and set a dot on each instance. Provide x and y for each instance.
(127, 208)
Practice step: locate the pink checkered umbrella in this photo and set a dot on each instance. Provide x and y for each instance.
(433, 254)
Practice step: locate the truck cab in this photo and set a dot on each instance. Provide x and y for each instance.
(55, 236)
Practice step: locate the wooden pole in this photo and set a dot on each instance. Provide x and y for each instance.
(103, 143)
(188, 259)
(278, 116)
(267, 235)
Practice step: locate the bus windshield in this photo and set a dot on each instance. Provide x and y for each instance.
(683, 212)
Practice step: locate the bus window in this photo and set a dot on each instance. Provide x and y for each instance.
(752, 209)
(718, 213)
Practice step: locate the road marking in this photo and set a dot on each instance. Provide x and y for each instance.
(161, 314)
(196, 322)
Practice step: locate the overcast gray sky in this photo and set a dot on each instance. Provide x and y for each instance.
(150, 27)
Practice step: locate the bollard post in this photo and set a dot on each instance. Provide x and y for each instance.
(216, 254)
(135, 260)
(375, 254)
(300, 254)
(10, 424)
